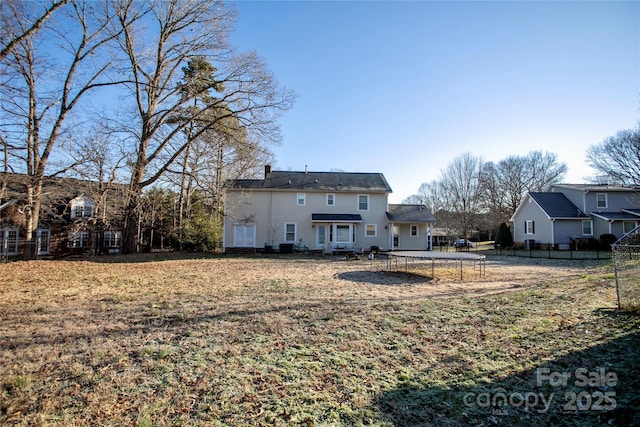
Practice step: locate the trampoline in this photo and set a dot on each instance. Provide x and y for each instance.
(477, 260)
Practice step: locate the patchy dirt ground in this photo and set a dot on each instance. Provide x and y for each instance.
(417, 279)
(181, 339)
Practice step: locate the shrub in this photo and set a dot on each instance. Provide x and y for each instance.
(606, 240)
(504, 237)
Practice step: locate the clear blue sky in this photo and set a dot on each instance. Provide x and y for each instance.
(404, 88)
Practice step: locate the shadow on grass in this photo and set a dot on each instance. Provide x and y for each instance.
(597, 386)
(388, 278)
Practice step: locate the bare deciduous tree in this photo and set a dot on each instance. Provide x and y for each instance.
(39, 90)
(172, 33)
(19, 20)
(461, 189)
(617, 158)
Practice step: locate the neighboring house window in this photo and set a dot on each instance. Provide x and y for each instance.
(628, 226)
(371, 230)
(244, 235)
(587, 228)
(79, 239)
(331, 199)
(43, 238)
(81, 208)
(414, 230)
(363, 202)
(301, 198)
(9, 241)
(289, 232)
(112, 239)
(602, 200)
(529, 227)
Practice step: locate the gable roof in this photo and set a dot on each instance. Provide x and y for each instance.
(409, 213)
(316, 181)
(557, 205)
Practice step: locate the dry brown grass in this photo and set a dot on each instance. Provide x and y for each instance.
(281, 341)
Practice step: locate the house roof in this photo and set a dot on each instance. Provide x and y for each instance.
(597, 187)
(316, 181)
(616, 216)
(632, 211)
(409, 213)
(557, 205)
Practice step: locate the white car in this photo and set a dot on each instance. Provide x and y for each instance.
(463, 243)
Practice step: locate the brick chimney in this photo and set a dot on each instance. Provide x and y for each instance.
(267, 170)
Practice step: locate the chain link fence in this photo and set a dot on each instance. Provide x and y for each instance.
(626, 263)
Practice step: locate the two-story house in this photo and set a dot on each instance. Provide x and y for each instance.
(70, 221)
(572, 213)
(321, 211)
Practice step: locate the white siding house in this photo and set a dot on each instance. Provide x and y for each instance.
(321, 211)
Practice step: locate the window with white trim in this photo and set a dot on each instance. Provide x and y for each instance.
(290, 232)
(628, 226)
(530, 227)
(331, 199)
(43, 236)
(587, 228)
(79, 239)
(371, 230)
(601, 200)
(112, 239)
(244, 235)
(82, 208)
(413, 228)
(301, 199)
(343, 233)
(8, 241)
(363, 202)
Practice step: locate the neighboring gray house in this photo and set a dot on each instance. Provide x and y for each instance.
(576, 214)
(321, 211)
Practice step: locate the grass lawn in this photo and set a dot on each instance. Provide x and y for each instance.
(239, 341)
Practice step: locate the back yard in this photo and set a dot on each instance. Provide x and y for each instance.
(239, 341)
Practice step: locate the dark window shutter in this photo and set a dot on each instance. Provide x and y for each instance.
(533, 227)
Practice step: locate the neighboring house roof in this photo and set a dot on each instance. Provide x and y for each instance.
(555, 205)
(409, 213)
(9, 203)
(324, 217)
(615, 216)
(316, 181)
(597, 187)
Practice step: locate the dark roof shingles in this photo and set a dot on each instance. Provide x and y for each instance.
(557, 205)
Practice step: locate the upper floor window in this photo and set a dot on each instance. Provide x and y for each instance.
(602, 200)
(414, 230)
(529, 227)
(331, 199)
(301, 199)
(363, 202)
(82, 207)
(587, 228)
